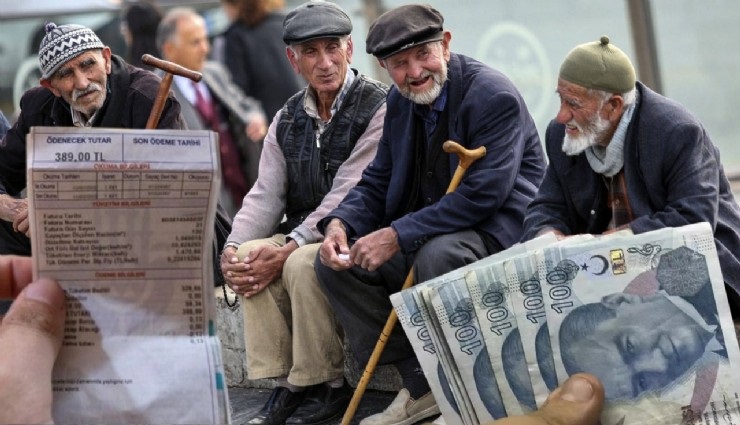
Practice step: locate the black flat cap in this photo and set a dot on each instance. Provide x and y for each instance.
(315, 19)
(402, 28)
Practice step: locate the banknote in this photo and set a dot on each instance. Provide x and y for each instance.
(529, 309)
(489, 292)
(446, 360)
(458, 323)
(423, 333)
(414, 320)
(647, 314)
(490, 297)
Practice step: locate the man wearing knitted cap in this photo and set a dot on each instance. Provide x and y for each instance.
(625, 157)
(314, 152)
(82, 85)
(398, 215)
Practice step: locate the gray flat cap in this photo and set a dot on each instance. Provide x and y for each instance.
(315, 19)
(402, 28)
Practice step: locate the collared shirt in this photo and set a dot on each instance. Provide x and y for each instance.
(430, 116)
(187, 88)
(311, 106)
(78, 120)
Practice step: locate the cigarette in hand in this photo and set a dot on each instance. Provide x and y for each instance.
(344, 257)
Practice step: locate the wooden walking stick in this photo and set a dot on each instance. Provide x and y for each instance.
(170, 69)
(467, 157)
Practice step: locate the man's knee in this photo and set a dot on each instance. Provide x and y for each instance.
(299, 267)
(448, 252)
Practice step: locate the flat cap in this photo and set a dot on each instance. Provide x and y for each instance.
(315, 19)
(402, 28)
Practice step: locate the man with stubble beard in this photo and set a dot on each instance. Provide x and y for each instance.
(82, 85)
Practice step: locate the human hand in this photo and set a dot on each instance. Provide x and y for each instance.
(371, 251)
(233, 270)
(264, 265)
(20, 222)
(30, 337)
(256, 129)
(577, 402)
(334, 251)
(558, 234)
(15, 211)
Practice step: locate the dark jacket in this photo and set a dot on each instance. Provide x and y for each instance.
(130, 99)
(673, 175)
(484, 109)
(237, 110)
(256, 58)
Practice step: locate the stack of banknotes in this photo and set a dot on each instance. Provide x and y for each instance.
(647, 314)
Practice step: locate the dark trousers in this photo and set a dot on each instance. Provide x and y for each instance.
(360, 298)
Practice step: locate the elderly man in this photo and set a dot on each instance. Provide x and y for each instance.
(82, 85)
(399, 214)
(314, 152)
(215, 103)
(622, 156)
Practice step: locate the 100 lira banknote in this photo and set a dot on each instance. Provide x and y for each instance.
(648, 315)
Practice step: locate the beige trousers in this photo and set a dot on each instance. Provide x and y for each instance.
(289, 328)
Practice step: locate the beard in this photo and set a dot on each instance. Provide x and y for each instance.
(90, 106)
(429, 96)
(588, 135)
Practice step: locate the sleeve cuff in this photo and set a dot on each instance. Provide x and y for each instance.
(231, 244)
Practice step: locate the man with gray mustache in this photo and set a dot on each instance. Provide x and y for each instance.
(83, 85)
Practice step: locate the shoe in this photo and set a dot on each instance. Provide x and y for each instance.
(322, 404)
(404, 410)
(281, 404)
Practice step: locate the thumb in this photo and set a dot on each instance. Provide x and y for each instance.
(577, 402)
(30, 338)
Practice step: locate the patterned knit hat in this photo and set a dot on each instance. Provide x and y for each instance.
(63, 43)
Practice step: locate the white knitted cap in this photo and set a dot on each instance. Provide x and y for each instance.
(63, 43)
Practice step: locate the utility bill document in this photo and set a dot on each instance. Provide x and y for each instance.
(123, 219)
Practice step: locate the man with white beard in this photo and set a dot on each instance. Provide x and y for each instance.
(398, 215)
(624, 157)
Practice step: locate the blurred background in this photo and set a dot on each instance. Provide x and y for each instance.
(682, 48)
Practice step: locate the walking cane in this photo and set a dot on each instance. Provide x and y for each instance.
(467, 157)
(170, 69)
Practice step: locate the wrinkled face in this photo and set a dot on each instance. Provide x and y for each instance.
(81, 82)
(581, 113)
(323, 62)
(189, 45)
(420, 72)
(649, 344)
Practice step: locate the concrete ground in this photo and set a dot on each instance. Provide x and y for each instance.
(245, 402)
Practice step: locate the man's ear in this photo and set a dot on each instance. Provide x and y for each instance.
(616, 107)
(382, 63)
(106, 58)
(446, 37)
(293, 61)
(613, 301)
(47, 83)
(350, 49)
